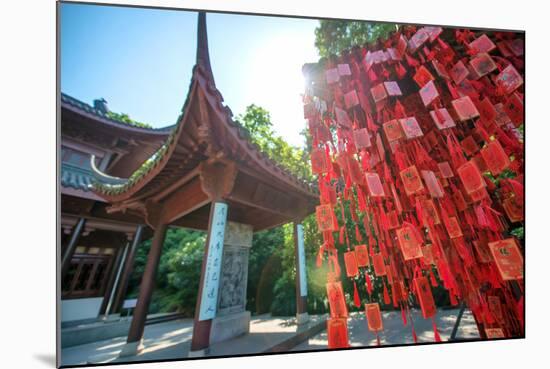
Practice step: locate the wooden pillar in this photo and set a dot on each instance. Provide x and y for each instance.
(207, 300)
(71, 247)
(112, 274)
(301, 278)
(122, 286)
(137, 326)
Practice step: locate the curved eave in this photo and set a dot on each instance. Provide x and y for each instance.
(125, 191)
(265, 163)
(201, 79)
(71, 104)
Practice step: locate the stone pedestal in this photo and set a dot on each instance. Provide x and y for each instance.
(131, 348)
(302, 318)
(232, 319)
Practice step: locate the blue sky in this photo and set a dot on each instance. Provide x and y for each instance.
(140, 61)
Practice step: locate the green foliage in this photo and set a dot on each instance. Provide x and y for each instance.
(124, 118)
(518, 232)
(178, 272)
(257, 121)
(271, 269)
(335, 36)
(264, 267)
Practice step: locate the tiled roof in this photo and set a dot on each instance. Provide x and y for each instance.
(76, 177)
(82, 107)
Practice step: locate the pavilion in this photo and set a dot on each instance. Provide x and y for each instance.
(202, 173)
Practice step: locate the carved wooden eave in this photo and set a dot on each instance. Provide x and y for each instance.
(208, 157)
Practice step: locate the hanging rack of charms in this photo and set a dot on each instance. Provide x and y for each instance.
(418, 151)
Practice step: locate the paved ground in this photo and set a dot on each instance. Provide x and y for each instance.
(171, 340)
(396, 333)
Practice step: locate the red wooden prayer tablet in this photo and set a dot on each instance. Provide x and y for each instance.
(453, 227)
(429, 211)
(362, 255)
(502, 118)
(508, 258)
(471, 177)
(432, 183)
(411, 180)
(319, 164)
(393, 219)
(427, 254)
(336, 299)
(433, 32)
(428, 93)
(514, 209)
(494, 333)
(342, 117)
(410, 126)
(465, 108)
(332, 75)
(442, 118)
(418, 39)
(344, 70)
(440, 70)
(374, 185)
(361, 138)
(509, 79)
(325, 218)
(459, 72)
(351, 99)
(423, 76)
(392, 88)
(378, 264)
(482, 44)
(401, 45)
(469, 145)
(425, 297)
(337, 332)
(487, 110)
(516, 46)
(378, 92)
(513, 106)
(374, 317)
(495, 157)
(410, 247)
(393, 130)
(483, 64)
(350, 261)
(495, 307)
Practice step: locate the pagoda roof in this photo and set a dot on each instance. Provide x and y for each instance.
(70, 103)
(205, 132)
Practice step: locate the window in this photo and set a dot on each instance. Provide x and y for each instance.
(88, 273)
(75, 157)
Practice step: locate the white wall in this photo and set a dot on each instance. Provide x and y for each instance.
(78, 309)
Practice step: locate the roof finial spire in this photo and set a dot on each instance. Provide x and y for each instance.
(203, 57)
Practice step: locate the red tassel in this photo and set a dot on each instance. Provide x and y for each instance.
(319, 260)
(415, 338)
(356, 298)
(400, 71)
(369, 284)
(452, 297)
(386, 295)
(403, 316)
(436, 333)
(358, 236)
(432, 279)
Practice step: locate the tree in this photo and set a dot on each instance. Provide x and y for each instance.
(271, 273)
(335, 36)
(257, 121)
